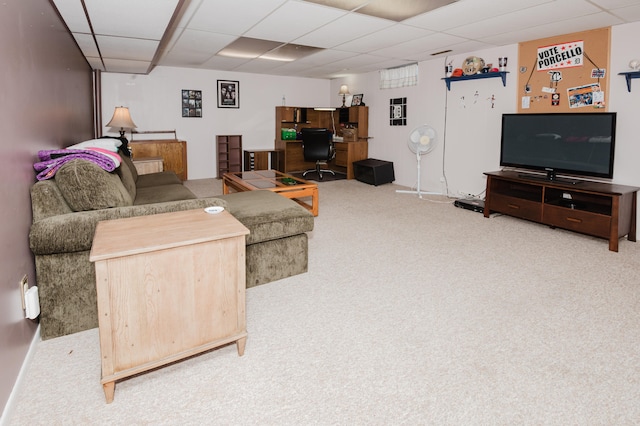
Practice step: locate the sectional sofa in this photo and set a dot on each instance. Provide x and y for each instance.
(67, 208)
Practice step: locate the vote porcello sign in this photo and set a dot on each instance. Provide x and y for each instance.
(564, 55)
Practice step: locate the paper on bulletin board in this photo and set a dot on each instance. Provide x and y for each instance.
(588, 95)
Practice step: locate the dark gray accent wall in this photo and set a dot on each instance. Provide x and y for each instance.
(45, 103)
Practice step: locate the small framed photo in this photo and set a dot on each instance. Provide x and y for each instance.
(228, 94)
(356, 100)
(192, 103)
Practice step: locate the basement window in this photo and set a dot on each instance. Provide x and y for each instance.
(404, 76)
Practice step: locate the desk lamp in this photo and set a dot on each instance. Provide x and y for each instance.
(344, 91)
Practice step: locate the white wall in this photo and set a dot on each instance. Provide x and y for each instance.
(469, 131)
(154, 101)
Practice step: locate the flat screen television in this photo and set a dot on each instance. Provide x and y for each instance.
(580, 144)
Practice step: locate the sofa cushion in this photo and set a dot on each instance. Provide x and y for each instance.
(157, 179)
(163, 193)
(127, 177)
(268, 216)
(86, 186)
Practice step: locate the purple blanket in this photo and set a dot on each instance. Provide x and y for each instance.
(52, 160)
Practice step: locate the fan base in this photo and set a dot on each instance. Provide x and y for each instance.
(418, 193)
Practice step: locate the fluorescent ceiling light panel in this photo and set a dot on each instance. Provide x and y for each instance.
(251, 48)
(394, 10)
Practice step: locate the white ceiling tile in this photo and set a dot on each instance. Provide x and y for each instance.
(598, 20)
(232, 17)
(125, 66)
(629, 13)
(134, 49)
(95, 63)
(325, 57)
(224, 63)
(87, 44)
(615, 4)
(521, 19)
(200, 42)
(293, 20)
(386, 37)
(409, 49)
(135, 19)
(346, 28)
(73, 14)
(469, 11)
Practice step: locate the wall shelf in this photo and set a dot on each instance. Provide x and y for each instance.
(501, 74)
(630, 75)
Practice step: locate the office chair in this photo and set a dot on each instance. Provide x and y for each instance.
(317, 145)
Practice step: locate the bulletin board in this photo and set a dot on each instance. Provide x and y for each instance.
(567, 73)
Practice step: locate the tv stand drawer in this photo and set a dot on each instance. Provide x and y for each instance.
(577, 220)
(517, 207)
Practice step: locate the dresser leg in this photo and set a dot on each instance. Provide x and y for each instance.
(240, 343)
(109, 391)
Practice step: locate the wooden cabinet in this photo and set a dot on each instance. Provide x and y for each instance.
(173, 153)
(600, 209)
(356, 117)
(229, 153)
(297, 118)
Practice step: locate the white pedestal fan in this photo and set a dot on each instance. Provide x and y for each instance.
(422, 140)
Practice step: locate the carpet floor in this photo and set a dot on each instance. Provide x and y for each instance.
(412, 312)
(326, 177)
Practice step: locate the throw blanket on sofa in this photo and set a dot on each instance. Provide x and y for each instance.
(52, 160)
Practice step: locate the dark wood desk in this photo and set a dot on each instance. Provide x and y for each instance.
(346, 154)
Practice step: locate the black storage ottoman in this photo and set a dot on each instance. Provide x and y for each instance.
(373, 172)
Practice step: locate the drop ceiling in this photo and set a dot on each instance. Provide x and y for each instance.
(316, 38)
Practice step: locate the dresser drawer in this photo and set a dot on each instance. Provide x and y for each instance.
(577, 220)
(517, 207)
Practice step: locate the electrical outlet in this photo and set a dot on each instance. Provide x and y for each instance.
(24, 286)
(441, 179)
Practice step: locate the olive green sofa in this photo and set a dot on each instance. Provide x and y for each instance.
(67, 208)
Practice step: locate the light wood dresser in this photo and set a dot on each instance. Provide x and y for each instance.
(169, 286)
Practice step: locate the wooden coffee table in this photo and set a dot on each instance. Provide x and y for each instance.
(273, 180)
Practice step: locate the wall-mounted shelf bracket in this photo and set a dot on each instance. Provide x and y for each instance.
(501, 74)
(630, 76)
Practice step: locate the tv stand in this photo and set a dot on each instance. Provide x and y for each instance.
(549, 178)
(600, 209)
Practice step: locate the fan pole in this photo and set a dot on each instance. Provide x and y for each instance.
(417, 191)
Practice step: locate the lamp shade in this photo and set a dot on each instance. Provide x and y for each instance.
(121, 119)
(344, 90)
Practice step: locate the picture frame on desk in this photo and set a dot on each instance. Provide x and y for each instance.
(356, 100)
(228, 94)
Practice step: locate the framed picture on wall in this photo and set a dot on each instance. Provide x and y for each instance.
(192, 103)
(228, 94)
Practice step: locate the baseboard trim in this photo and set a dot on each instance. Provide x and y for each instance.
(8, 409)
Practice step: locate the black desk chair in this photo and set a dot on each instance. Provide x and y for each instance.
(317, 145)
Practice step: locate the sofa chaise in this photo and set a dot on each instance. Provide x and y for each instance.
(67, 208)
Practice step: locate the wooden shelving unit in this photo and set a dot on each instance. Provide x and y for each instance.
(229, 153)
